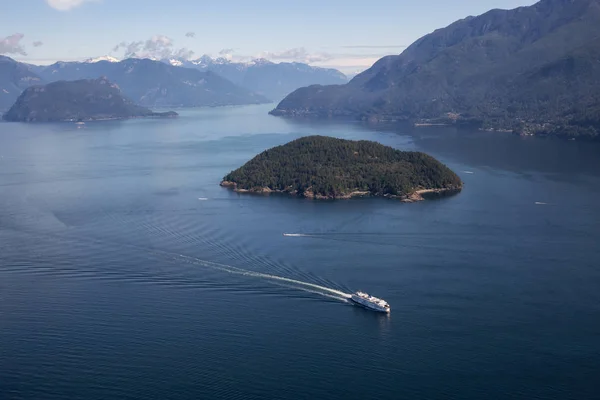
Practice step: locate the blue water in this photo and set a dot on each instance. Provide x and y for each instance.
(126, 272)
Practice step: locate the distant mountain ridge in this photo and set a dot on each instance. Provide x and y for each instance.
(14, 78)
(273, 80)
(173, 82)
(156, 84)
(82, 100)
(532, 69)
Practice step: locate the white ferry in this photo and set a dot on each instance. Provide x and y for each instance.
(370, 302)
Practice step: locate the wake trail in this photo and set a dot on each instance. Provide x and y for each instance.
(323, 290)
(240, 255)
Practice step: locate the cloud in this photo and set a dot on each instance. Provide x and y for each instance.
(190, 34)
(297, 54)
(227, 53)
(130, 48)
(38, 43)
(158, 47)
(12, 44)
(65, 5)
(347, 62)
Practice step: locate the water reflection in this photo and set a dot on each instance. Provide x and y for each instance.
(381, 320)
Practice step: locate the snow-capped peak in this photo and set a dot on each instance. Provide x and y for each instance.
(103, 58)
(203, 61)
(206, 59)
(175, 62)
(221, 60)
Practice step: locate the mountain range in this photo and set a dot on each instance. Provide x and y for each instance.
(532, 69)
(172, 83)
(273, 80)
(155, 84)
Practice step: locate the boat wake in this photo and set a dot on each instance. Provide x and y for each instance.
(296, 284)
(296, 235)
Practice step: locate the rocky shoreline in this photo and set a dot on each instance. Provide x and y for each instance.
(417, 195)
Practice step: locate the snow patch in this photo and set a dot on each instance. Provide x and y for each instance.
(103, 58)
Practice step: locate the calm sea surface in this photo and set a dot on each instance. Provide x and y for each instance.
(126, 272)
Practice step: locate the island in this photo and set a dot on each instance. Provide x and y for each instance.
(82, 100)
(320, 167)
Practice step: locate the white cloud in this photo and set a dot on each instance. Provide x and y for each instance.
(65, 5)
(227, 54)
(347, 62)
(163, 47)
(157, 47)
(12, 44)
(297, 54)
(190, 34)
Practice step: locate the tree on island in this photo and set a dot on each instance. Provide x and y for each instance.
(325, 167)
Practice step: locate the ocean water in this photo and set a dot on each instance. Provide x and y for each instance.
(127, 272)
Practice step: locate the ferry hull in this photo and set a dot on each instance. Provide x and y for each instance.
(369, 306)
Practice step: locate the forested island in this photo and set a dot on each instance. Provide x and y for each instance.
(82, 100)
(322, 167)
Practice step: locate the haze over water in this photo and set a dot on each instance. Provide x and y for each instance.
(126, 272)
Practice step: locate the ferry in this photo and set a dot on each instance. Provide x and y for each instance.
(370, 302)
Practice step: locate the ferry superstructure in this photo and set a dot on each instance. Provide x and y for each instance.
(370, 302)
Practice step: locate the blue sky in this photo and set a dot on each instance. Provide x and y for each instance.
(348, 34)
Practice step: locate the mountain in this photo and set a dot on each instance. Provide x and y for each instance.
(273, 80)
(80, 100)
(14, 78)
(533, 69)
(156, 84)
(330, 168)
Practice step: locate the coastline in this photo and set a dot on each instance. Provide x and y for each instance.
(166, 114)
(415, 196)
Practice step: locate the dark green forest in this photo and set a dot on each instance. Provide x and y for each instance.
(333, 168)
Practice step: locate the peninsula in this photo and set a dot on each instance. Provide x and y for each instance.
(322, 167)
(82, 100)
(532, 70)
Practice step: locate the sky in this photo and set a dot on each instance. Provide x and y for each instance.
(349, 35)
